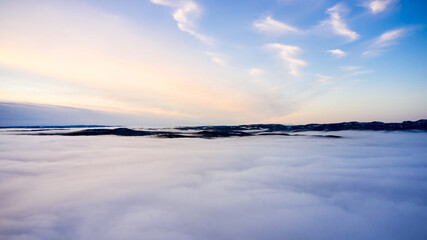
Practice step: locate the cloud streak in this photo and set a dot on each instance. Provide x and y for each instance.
(186, 12)
(350, 68)
(256, 71)
(377, 6)
(337, 52)
(388, 37)
(216, 58)
(323, 79)
(287, 53)
(271, 26)
(385, 40)
(337, 24)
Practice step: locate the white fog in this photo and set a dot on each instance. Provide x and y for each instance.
(366, 185)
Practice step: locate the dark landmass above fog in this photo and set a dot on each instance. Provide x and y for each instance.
(250, 130)
(406, 125)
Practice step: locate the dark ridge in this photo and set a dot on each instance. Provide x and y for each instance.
(222, 133)
(251, 130)
(274, 134)
(261, 127)
(327, 136)
(161, 134)
(374, 126)
(173, 135)
(104, 131)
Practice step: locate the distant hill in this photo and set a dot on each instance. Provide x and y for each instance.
(406, 125)
(247, 130)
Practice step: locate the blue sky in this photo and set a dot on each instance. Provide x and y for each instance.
(218, 62)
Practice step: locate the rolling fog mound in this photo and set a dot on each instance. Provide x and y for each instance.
(367, 185)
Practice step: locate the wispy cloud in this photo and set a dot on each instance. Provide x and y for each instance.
(256, 71)
(377, 6)
(351, 71)
(216, 58)
(185, 13)
(350, 68)
(384, 40)
(388, 37)
(287, 53)
(357, 73)
(323, 79)
(337, 24)
(337, 52)
(271, 26)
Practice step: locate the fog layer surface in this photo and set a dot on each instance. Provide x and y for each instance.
(367, 185)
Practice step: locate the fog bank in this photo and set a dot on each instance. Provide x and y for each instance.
(367, 185)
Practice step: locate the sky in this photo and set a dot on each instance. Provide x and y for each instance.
(170, 62)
